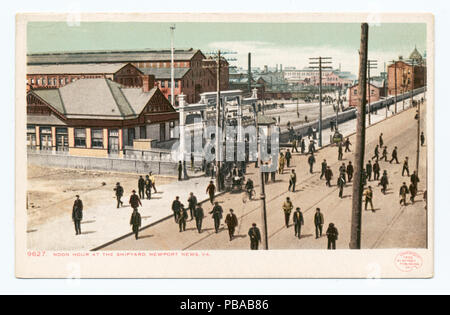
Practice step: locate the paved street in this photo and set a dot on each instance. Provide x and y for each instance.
(391, 226)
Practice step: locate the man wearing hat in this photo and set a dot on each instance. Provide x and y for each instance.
(77, 214)
(141, 187)
(255, 237)
(217, 215)
(135, 222)
(318, 222)
(119, 194)
(148, 187)
(298, 222)
(231, 221)
(134, 200)
(332, 235)
(153, 180)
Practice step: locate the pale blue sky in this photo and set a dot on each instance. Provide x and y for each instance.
(289, 44)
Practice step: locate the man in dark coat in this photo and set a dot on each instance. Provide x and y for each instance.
(384, 154)
(414, 178)
(135, 222)
(119, 193)
(405, 167)
(298, 222)
(134, 202)
(176, 208)
(211, 190)
(328, 176)
(384, 182)
(422, 139)
(394, 156)
(292, 181)
(350, 171)
(413, 192)
(323, 169)
(77, 214)
(302, 146)
(217, 215)
(347, 144)
(311, 161)
(182, 218)
(369, 170)
(180, 170)
(318, 222)
(199, 215)
(376, 170)
(340, 153)
(255, 237)
(141, 187)
(148, 187)
(332, 234)
(341, 185)
(288, 157)
(231, 221)
(375, 153)
(192, 202)
(380, 140)
(403, 192)
(343, 171)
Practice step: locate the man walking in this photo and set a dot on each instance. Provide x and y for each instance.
(135, 222)
(180, 170)
(350, 171)
(323, 168)
(255, 237)
(394, 156)
(77, 214)
(148, 187)
(422, 139)
(341, 185)
(368, 193)
(119, 194)
(192, 202)
(332, 235)
(405, 167)
(328, 176)
(369, 170)
(318, 222)
(343, 171)
(347, 144)
(380, 140)
(287, 209)
(211, 190)
(292, 181)
(199, 215)
(288, 158)
(384, 154)
(303, 146)
(231, 221)
(376, 170)
(340, 154)
(141, 187)
(153, 180)
(294, 145)
(413, 192)
(414, 178)
(403, 192)
(134, 200)
(182, 218)
(281, 162)
(217, 215)
(311, 161)
(384, 182)
(298, 222)
(375, 153)
(176, 208)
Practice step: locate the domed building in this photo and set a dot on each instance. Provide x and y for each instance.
(404, 75)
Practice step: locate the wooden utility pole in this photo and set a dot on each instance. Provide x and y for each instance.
(320, 62)
(218, 140)
(355, 234)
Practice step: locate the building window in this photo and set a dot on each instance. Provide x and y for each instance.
(163, 84)
(80, 137)
(176, 84)
(31, 137)
(355, 92)
(143, 132)
(97, 138)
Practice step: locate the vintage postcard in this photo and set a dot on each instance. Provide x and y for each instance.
(224, 145)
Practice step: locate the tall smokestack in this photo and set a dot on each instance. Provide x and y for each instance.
(249, 73)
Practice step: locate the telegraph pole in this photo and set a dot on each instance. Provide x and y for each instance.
(395, 84)
(320, 62)
(355, 235)
(371, 64)
(172, 70)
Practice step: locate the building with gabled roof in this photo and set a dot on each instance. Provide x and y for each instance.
(97, 117)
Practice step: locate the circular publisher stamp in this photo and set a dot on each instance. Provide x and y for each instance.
(408, 261)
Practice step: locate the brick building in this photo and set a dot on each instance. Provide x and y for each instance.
(203, 78)
(97, 117)
(407, 74)
(376, 90)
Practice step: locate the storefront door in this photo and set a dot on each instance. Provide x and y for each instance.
(113, 141)
(45, 139)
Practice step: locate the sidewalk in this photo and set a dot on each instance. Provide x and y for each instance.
(103, 222)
